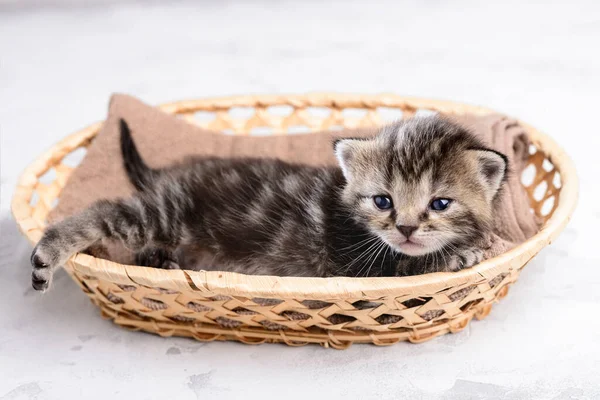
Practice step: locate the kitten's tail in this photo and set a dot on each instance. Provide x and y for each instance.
(139, 173)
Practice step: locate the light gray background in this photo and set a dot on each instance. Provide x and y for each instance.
(59, 62)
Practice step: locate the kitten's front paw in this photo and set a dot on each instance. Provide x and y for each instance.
(466, 259)
(156, 258)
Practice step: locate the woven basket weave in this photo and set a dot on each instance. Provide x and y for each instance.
(333, 312)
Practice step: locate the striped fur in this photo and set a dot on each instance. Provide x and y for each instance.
(268, 217)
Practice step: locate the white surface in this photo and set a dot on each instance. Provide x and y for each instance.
(541, 63)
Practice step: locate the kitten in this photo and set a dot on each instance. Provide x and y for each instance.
(416, 198)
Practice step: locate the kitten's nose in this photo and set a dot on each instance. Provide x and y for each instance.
(406, 230)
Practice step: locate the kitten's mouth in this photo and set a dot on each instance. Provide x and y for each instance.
(412, 248)
(410, 244)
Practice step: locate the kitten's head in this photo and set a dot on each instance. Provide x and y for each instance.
(422, 185)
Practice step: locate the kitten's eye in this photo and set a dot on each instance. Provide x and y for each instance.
(439, 204)
(383, 202)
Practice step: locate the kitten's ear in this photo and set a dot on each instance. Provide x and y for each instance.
(492, 169)
(348, 151)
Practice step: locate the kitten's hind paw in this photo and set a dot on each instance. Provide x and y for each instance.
(40, 277)
(43, 267)
(51, 252)
(466, 258)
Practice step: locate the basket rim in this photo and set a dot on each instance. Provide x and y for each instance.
(300, 287)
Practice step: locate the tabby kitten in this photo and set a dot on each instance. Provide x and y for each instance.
(416, 198)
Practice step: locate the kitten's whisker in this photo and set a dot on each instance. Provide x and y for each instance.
(374, 259)
(372, 256)
(357, 259)
(364, 266)
(370, 244)
(361, 243)
(368, 253)
(354, 260)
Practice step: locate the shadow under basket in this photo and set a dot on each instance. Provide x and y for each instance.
(334, 312)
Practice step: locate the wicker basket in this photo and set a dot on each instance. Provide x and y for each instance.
(333, 312)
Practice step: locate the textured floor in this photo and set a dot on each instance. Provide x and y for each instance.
(540, 63)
